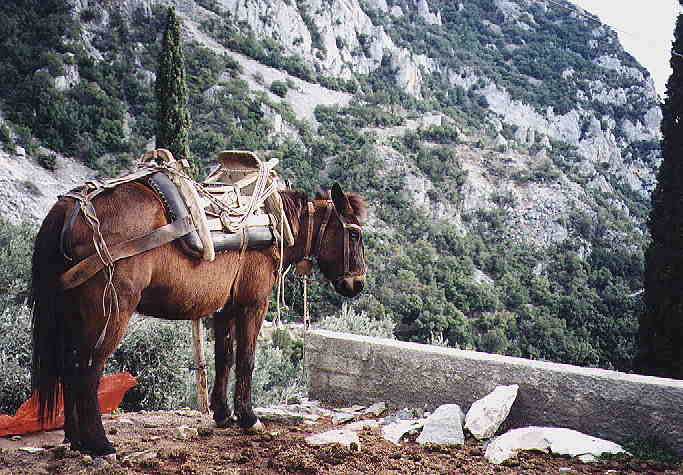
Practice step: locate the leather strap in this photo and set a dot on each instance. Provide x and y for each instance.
(91, 265)
(65, 234)
(321, 231)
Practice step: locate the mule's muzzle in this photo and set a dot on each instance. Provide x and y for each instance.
(349, 286)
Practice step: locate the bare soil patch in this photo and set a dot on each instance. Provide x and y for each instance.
(150, 443)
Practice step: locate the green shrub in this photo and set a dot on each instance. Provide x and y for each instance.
(16, 245)
(48, 160)
(157, 353)
(359, 323)
(6, 139)
(25, 139)
(277, 377)
(293, 347)
(15, 356)
(279, 88)
(15, 317)
(652, 448)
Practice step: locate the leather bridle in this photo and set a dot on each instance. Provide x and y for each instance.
(310, 252)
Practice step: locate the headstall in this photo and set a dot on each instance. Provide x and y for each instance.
(310, 253)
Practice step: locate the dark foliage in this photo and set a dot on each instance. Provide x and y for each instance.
(661, 326)
(173, 117)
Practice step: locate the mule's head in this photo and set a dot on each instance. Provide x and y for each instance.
(341, 256)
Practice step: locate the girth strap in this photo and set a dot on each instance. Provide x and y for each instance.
(90, 266)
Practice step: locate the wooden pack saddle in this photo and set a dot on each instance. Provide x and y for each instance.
(237, 207)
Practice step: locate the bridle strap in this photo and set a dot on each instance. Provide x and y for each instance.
(347, 250)
(321, 231)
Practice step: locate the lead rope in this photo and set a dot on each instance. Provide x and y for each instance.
(307, 316)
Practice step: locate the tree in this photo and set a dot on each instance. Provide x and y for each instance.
(661, 325)
(173, 133)
(173, 117)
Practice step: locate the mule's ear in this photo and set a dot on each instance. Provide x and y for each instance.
(341, 202)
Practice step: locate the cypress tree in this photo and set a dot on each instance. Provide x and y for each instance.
(661, 324)
(173, 117)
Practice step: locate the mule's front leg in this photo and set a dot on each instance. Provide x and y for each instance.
(247, 329)
(224, 357)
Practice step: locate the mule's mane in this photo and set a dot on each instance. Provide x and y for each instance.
(294, 203)
(360, 207)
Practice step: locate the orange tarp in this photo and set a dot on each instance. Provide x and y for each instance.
(111, 391)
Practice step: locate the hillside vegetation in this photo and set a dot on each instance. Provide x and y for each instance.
(507, 147)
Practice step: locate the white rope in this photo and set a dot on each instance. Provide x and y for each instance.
(307, 316)
(280, 297)
(281, 277)
(261, 192)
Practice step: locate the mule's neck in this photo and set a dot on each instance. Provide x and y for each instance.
(303, 215)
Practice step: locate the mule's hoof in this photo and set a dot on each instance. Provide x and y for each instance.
(227, 422)
(224, 423)
(111, 458)
(101, 451)
(257, 428)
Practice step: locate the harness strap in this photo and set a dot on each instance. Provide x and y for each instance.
(90, 266)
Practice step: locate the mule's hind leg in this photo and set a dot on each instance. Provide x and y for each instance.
(247, 328)
(70, 386)
(93, 438)
(224, 357)
(93, 355)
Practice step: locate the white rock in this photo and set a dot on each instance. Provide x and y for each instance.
(186, 432)
(281, 414)
(559, 441)
(342, 417)
(487, 414)
(376, 409)
(31, 450)
(394, 431)
(443, 426)
(140, 456)
(360, 425)
(339, 436)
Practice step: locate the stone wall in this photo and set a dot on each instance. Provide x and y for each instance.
(608, 404)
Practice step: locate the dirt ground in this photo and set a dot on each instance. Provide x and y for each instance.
(151, 443)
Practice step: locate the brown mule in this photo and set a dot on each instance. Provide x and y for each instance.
(74, 334)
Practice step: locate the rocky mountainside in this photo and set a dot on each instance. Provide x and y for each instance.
(508, 147)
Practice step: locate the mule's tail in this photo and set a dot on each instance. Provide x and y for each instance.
(48, 324)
